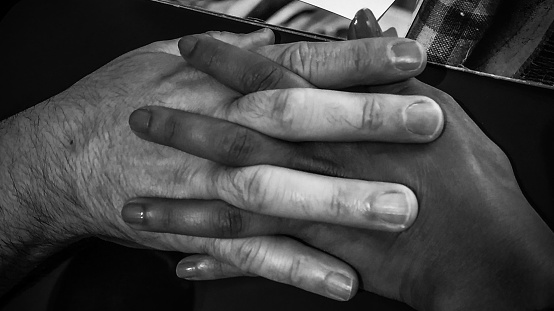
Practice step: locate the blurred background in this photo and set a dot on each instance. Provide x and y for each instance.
(302, 16)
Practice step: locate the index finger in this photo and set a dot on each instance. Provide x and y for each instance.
(332, 65)
(239, 69)
(287, 193)
(339, 65)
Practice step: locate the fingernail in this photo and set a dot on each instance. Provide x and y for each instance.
(366, 25)
(187, 44)
(133, 214)
(392, 208)
(407, 55)
(140, 120)
(187, 269)
(339, 286)
(423, 118)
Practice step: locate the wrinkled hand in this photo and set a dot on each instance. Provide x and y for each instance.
(109, 164)
(477, 243)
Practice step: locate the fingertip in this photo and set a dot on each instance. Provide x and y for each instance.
(413, 209)
(407, 55)
(205, 267)
(266, 35)
(140, 120)
(188, 268)
(187, 44)
(424, 118)
(393, 209)
(270, 36)
(133, 214)
(257, 39)
(341, 286)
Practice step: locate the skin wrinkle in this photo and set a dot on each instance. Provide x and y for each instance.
(264, 78)
(170, 129)
(237, 145)
(301, 61)
(294, 272)
(371, 116)
(254, 186)
(227, 183)
(231, 222)
(246, 106)
(361, 61)
(340, 207)
(245, 254)
(282, 110)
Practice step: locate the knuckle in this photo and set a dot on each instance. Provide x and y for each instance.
(249, 189)
(372, 115)
(262, 76)
(255, 191)
(300, 60)
(249, 105)
(229, 222)
(339, 206)
(282, 108)
(251, 255)
(211, 57)
(362, 53)
(170, 131)
(237, 146)
(294, 272)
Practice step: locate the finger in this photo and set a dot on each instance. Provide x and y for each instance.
(344, 64)
(364, 25)
(286, 261)
(292, 194)
(248, 41)
(282, 192)
(391, 32)
(322, 115)
(204, 267)
(239, 69)
(235, 145)
(199, 135)
(298, 115)
(202, 218)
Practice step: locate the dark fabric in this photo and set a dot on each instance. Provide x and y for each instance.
(540, 66)
(450, 29)
(110, 277)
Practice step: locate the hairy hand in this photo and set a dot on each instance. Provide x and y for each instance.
(110, 165)
(476, 242)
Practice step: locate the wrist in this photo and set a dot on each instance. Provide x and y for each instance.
(36, 202)
(37, 192)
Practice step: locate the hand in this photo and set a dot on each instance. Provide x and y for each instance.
(477, 242)
(93, 163)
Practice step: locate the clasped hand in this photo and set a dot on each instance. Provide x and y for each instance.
(258, 138)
